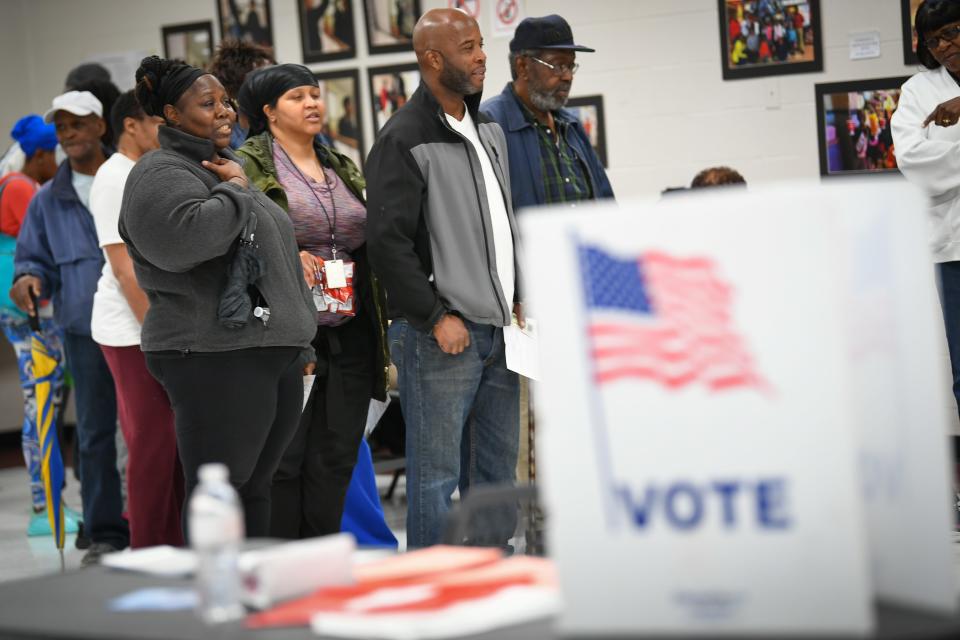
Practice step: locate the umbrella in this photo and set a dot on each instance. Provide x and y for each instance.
(45, 360)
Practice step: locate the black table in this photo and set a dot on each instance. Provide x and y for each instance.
(74, 605)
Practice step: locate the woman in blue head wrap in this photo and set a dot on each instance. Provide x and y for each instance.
(38, 142)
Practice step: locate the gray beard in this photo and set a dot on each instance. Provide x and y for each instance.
(545, 101)
(457, 81)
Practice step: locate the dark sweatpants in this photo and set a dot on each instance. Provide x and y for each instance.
(236, 407)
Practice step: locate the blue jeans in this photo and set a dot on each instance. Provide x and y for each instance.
(949, 273)
(462, 418)
(96, 401)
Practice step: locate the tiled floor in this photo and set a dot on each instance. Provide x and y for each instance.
(22, 557)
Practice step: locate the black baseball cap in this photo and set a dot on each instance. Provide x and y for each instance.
(548, 32)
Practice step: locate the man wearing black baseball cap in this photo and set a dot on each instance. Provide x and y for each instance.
(551, 159)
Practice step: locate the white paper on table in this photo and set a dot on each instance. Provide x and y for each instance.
(307, 386)
(292, 569)
(162, 560)
(509, 606)
(523, 349)
(269, 574)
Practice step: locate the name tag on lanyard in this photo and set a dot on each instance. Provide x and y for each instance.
(336, 274)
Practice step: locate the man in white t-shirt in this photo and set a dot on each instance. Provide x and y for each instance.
(154, 477)
(442, 238)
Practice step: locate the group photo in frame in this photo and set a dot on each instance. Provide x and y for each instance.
(248, 20)
(390, 88)
(340, 91)
(589, 111)
(191, 42)
(389, 24)
(908, 11)
(769, 37)
(327, 30)
(853, 126)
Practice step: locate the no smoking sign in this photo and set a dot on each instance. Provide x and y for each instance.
(507, 15)
(471, 7)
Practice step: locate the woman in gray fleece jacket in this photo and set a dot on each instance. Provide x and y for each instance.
(236, 392)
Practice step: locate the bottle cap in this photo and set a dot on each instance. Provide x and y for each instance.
(213, 472)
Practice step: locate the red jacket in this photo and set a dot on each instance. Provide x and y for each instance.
(18, 189)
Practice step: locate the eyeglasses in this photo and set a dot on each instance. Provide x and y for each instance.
(558, 69)
(947, 36)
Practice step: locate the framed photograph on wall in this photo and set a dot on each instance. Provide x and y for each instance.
(340, 91)
(390, 88)
(326, 30)
(853, 126)
(589, 111)
(246, 20)
(908, 10)
(390, 24)
(769, 37)
(192, 43)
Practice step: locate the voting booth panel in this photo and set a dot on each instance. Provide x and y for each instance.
(901, 396)
(702, 410)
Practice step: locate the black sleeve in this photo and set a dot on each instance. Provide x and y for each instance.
(395, 197)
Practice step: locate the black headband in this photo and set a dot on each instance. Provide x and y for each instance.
(265, 86)
(161, 82)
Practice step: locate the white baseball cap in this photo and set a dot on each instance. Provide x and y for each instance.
(79, 103)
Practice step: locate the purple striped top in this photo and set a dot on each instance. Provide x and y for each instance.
(307, 202)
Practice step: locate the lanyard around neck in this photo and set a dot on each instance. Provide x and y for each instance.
(333, 203)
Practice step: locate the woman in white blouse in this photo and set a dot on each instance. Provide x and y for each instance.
(927, 142)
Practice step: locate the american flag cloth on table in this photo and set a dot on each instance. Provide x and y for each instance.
(662, 318)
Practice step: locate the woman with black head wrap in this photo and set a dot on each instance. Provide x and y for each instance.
(926, 138)
(236, 391)
(322, 191)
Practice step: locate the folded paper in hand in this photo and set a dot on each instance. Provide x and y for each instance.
(523, 349)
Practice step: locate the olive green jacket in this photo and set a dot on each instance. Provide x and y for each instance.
(257, 154)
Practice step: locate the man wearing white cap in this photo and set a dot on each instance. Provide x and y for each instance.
(58, 257)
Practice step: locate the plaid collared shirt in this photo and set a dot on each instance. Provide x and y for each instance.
(564, 174)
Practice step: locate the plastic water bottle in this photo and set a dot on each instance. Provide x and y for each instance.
(216, 531)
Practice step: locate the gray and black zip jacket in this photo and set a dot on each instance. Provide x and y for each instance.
(429, 234)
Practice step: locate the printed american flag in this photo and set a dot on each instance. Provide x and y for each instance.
(662, 318)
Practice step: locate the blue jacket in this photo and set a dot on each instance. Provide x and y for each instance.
(526, 179)
(58, 244)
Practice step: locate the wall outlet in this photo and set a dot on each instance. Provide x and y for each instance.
(771, 93)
